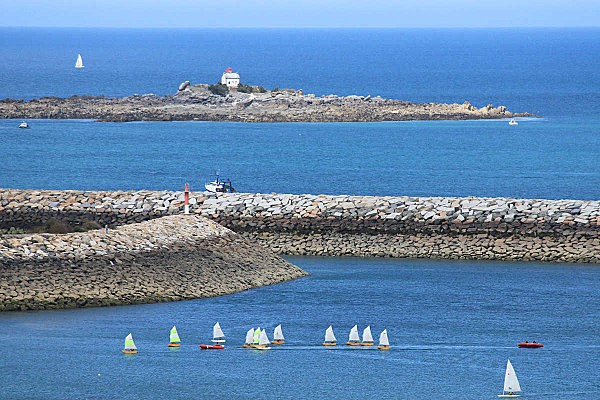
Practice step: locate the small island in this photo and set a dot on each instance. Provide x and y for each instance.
(230, 100)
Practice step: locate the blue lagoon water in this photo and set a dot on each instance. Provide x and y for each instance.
(452, 324)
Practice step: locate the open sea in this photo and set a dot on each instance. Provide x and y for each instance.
(452, 324)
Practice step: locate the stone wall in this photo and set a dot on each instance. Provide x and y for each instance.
(470, 227)
(170, 258)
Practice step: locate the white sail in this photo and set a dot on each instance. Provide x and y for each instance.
(354, 334)
(129, 344)
(511, 383)
(383, 338)
(250, 336)
(217, 332)
(367, 336)
(264, 339)
(278, 333)
(79, 62)
(329, 336)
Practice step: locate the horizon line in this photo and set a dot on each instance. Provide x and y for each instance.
(303, 27)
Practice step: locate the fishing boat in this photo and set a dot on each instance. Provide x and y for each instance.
(278, 335)
(79, 62)
(353, 339)
(174, 340)
(218, 335)
(530, 345)
(249, 339)
(24, 125)
(367, 337)
(513, 122)
(384, 343)
(263, 341)
(130, 347)
(511, 383)
(330, 339)
(220, 186)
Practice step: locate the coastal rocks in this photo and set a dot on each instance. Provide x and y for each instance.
(166, 259)
(196, 102)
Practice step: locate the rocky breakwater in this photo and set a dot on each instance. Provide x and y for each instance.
(170, 258)
(198, 102)
(457, 228)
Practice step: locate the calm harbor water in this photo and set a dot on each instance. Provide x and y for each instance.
(452, 325)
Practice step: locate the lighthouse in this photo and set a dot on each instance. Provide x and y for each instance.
(230, 78)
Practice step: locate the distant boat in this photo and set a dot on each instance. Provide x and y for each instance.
(220, 186)
(530, 345)
(174, 340)
(79, 62)
(249, 339)
(24, 125)
(263, 341)
(330, 339)
(278, 335)
(353, 339)
(513, 122)
(256, 337)
(218, 335)
(384, 343)
(511, 383)
(130, 347)
(367, 337)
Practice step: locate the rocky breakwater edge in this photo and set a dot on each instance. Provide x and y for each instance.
(171, 258)
(199, 103)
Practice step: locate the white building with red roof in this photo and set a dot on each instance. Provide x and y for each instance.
(230, 78)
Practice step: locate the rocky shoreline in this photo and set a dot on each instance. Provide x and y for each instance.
(165, 259)
(198, 103)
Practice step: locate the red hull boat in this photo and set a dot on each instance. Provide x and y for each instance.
(211, 347)
(530, 345)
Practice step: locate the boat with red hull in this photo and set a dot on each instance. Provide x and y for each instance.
(211, 347)
(530, 345)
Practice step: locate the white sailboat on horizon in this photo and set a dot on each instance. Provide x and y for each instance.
(79, 62)
(511, 383)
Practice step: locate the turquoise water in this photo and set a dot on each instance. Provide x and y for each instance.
(452, 325)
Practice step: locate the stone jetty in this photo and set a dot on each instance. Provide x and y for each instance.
(432, 227)
(171, 258)
(197, 102)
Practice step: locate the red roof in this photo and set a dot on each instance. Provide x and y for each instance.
(229, 70)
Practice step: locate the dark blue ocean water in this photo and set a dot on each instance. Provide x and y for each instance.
(452, 326)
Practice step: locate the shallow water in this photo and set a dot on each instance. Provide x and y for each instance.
(452, 325)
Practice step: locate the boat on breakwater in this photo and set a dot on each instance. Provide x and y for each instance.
(353, 338)
(278, 335)
(384, 343)
(330, 339)
(220, 186)
(367, 339)
(249, 339)
(174, 340)
(130, 347)
(511, 383)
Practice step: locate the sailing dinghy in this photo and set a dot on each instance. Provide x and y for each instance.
(263, 341)
(249, 339)
(330, 339)
(384, 343)
(278, 335)
(79, 62)
(218, 335)
(353, 339)
(511, 383)
(367, 337)
(174, 340)
(130, 347)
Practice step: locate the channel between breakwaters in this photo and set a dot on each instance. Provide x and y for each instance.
(427, 227)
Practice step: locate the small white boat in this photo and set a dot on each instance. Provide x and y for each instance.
(367, 337)
(330, 339)
(218, 335)
(249, 338)
(24, 125)
(353, 339)
(130, 347)
(174, 340)
(278, 335)
(220, 186)
(513, 122)
(263, 341)
(511, 383)
(79, 62)
(384, 343)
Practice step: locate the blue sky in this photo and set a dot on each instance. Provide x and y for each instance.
(299, 13)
